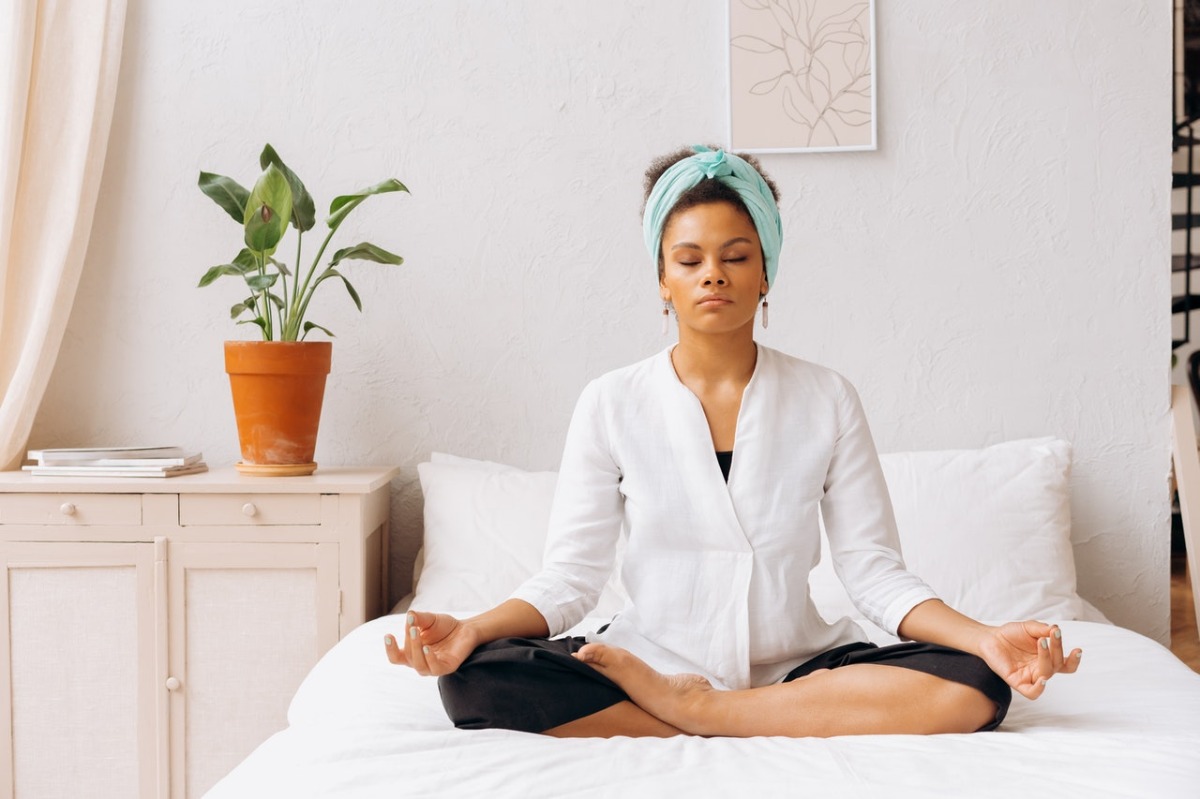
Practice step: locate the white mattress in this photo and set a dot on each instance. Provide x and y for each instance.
(1127, 725)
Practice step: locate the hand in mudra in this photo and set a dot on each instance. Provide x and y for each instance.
(1027, 654)
(434, 643)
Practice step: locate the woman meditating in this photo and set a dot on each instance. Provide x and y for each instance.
(715, 456)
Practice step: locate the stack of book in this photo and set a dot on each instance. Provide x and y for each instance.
(115, 462)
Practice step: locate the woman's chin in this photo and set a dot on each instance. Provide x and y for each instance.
(715, 325)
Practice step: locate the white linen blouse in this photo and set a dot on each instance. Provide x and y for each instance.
(716, 572)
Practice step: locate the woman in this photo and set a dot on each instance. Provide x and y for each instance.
(715, 456)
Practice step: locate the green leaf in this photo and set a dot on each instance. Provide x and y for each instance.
(220, 270)
(275, 300)
(258, 320)
(282, 267)
(268, 210)
(227, 193)
(310, 325)
(304, 211)
(366, 252)
(341, 207)
(261, 282)
(241, 308)
(331, 272)
(245, 259)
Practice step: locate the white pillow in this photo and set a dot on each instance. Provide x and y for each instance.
(445, 457)
(989, 530)
(485, 534)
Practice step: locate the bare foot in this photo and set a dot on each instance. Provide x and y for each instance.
(677, 699)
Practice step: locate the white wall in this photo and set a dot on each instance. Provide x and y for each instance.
(997, 269)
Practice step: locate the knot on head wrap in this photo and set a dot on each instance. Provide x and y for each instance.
(735, 173)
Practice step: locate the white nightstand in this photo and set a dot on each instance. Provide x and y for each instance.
(153, 631)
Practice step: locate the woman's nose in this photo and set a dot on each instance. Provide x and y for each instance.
(714, 272)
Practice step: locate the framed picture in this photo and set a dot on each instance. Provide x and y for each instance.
(801, 75)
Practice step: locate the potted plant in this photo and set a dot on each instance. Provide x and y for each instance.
(278, 383)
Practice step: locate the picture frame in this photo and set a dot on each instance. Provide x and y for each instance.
(801, 75)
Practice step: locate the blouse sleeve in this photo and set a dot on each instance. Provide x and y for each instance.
(861, 526)
(585, 522)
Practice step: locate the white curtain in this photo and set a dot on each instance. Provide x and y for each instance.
(58, 78)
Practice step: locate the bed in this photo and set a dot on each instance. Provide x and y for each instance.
(989, 529)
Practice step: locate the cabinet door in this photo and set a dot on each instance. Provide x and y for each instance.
(77, 643)
(247, 623)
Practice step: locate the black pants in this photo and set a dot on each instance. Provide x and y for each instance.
(533, 684)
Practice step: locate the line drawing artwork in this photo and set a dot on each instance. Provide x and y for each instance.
(801, 75)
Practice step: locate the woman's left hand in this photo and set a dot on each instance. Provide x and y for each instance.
(1027, 654)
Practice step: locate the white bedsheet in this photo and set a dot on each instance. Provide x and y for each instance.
(1127, 725)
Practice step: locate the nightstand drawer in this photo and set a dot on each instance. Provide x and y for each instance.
(71, 509)
(249, 509)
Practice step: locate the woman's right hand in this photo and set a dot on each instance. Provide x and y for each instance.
(434, 643)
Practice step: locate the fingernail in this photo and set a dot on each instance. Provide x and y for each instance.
(1045, 642)
(412, 631)
(1057, 633)
(425, 649)
(1079, 654)
(389, 640)
(1042, 682)
(410, 619)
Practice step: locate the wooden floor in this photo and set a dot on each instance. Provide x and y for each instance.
(1185, 641)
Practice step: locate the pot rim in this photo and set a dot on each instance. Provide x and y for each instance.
(278, 357)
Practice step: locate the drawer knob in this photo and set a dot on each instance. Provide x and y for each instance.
(249, 509)
(67, 509)
(172, 684)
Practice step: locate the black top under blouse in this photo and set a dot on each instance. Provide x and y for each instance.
(725, 459)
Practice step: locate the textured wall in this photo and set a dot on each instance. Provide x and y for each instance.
(997, 269)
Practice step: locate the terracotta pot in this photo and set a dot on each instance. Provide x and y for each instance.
(278, 387)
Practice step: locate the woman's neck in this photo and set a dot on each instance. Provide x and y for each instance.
(712, 360)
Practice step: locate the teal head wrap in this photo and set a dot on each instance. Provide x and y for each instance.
(735, 173)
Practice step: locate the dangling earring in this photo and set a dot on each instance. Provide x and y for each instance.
(764, 315)
(665, 314)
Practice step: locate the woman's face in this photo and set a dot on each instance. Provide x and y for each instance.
(712, 267)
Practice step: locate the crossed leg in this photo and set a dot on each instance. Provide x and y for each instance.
(623, 718)
(852, 700)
